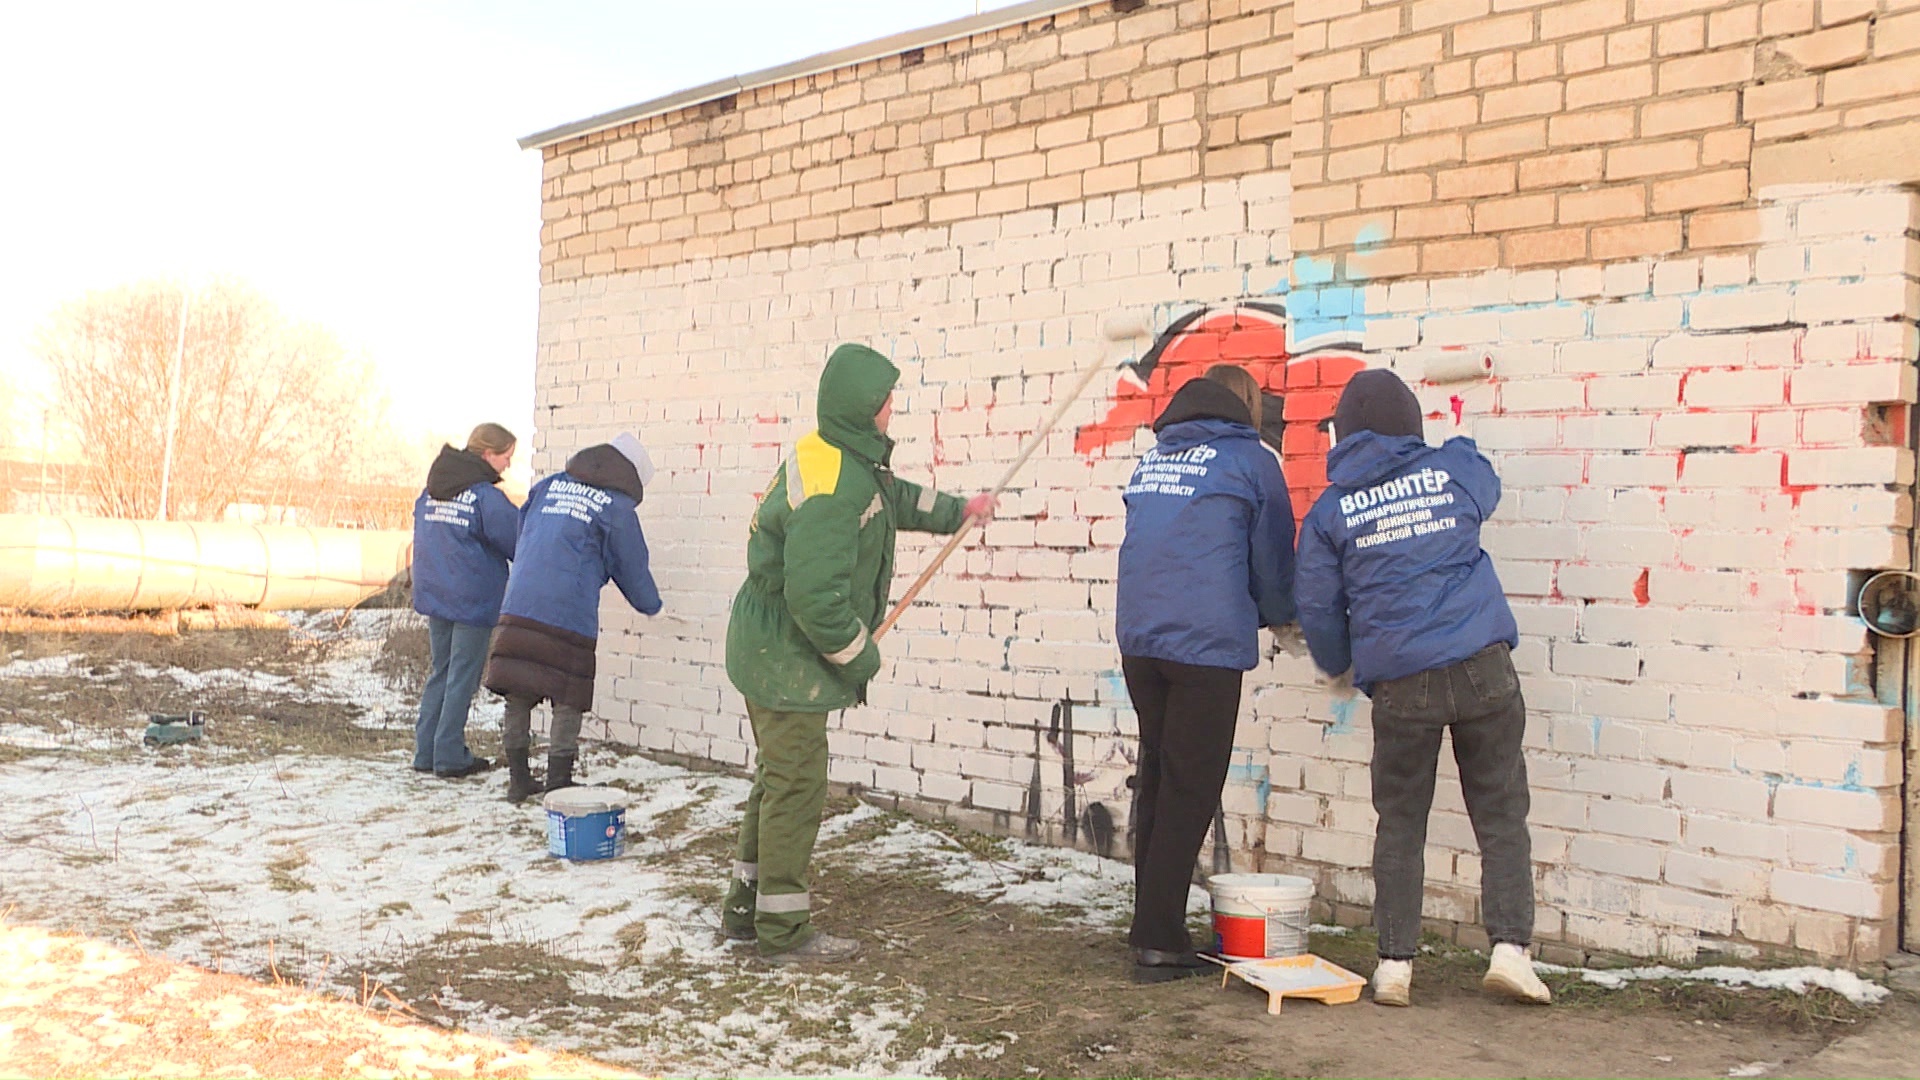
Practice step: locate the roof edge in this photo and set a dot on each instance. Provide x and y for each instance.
(812, 65)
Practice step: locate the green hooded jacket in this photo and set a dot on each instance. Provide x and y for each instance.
(820, 550)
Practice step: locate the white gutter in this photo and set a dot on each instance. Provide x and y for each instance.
(812, 65)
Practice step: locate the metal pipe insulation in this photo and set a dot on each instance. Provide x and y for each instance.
(54, 564)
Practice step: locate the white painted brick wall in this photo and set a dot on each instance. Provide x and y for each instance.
(1688, 486)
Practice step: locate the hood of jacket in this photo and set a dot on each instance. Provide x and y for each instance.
(1203, 399)
(454, 471)
(857, 379)
(1201, 411)
(605, 467)
(1365, 457)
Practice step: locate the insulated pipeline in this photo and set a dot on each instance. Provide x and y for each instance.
(56, 564)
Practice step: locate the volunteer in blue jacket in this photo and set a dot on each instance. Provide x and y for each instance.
(1393, 584)
(463, 537)
(1206, 562)
(581, 530)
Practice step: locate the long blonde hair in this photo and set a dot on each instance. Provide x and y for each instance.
(1244, 386)
(491, 439)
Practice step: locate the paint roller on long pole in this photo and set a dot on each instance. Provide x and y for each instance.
(1116, 328)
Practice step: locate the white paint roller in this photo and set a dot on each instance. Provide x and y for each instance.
(1458, 367)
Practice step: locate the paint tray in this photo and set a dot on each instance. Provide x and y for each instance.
(1305, 976)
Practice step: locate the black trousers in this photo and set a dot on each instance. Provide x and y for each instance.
(1187, 716)
(1478, 699)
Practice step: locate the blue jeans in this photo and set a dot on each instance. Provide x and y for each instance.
(440, 734)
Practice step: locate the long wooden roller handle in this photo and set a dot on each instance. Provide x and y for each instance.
(966, 527)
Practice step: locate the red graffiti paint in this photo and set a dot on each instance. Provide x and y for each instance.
(1254, 336)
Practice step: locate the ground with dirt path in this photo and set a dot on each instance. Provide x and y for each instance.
(294, 846)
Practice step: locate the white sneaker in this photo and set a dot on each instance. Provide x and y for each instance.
(1511, 974)
(1393, 983)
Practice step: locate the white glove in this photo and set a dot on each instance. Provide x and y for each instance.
(1337, 686)
(1288, 639)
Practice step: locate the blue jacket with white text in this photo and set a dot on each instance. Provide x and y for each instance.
(1207, 559)
(1392, 580)
(464, 529)
(580, 531)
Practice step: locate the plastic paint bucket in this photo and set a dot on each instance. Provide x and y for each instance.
(1258, 916)
(586, 823)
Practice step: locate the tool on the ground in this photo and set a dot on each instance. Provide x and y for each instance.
(164, 730)
(1304, 976)
(1116, 329)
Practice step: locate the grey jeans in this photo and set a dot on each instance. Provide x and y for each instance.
(516, 728)
(1479, 700)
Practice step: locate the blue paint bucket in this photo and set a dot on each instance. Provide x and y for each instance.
(586, 823)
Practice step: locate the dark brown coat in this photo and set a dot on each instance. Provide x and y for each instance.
(531, 659)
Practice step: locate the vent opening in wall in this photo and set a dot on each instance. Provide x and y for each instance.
(1889, 603)
(1123, 7)
(913, 58)
(719, 106)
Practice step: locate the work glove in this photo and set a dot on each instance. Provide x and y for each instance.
(982, 506)
(861, 669)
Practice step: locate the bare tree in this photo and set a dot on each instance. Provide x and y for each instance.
(271, 409)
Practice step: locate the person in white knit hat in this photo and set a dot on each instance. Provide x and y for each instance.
(579, 530)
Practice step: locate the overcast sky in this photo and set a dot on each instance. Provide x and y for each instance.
(354, 161)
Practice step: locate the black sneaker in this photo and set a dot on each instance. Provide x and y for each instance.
(478, 765)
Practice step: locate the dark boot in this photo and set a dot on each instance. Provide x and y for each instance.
(520, 783)
(559, 771)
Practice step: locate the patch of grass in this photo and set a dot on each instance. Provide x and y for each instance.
(1815, 1012)
(406, 654)
(281, 872)
(670, 825)
(1442, 964)
(632, 939)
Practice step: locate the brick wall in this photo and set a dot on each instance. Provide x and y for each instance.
(1088, 102)
(1443, 136)
(1704, 446)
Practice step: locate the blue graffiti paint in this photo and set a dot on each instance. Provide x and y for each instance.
(1342, 716)
(1312, 270)
(1850, 860)
(1850, 781)
(1246, 772)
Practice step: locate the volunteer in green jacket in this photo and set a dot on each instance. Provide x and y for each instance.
(799, 641)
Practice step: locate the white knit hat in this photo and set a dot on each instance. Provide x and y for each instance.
(629, 446)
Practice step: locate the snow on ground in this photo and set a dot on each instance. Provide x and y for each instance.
(342, 865)
(358, 865)
(347, 864)
(1797, 979)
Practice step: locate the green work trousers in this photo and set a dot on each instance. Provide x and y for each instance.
(768, 895)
